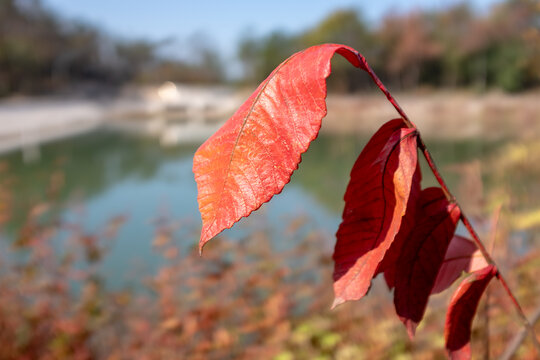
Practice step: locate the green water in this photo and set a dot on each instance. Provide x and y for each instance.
(106, 174)
(325, 168)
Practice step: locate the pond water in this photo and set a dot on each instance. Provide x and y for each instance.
(108, 173)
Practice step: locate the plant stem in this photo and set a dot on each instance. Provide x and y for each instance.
(451, 198)
(477, 241)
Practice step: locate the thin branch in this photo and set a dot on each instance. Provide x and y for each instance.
(451, 198)
(478, 242)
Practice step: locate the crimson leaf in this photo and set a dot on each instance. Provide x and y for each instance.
(375, 201)
(423, 255)
(462, 255)
(252, 156)
(461, 312)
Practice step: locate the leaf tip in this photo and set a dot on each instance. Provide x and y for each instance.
(202, 242)
(411, 328)
(463, 353)
(337, 301)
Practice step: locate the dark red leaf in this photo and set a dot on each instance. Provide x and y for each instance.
(422, 255)
(375, 202)
(252, 156)
(390, 277)
(462, 255)
(461, 312)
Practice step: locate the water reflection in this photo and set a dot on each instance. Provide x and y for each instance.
(107, 173)
(324, 171)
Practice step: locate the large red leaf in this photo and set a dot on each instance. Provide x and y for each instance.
(375, 201)
(462, 255)
(461, 312)
(423, 255)
(252, 156)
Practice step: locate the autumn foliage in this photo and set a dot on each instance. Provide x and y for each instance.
(390, 225)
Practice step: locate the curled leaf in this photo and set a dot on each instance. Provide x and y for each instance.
(375, 202)
(423, 255)
(252, 156)
(461, 311)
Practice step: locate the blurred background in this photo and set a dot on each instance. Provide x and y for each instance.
(103, 104)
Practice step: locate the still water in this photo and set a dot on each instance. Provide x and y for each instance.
(107, 174)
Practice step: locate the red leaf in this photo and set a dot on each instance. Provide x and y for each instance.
(375, 202)
(461, 312)
(252, 156)
(462, 255)
(423, 255)
(388, 264)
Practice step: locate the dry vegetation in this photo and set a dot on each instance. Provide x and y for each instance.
(241, 300)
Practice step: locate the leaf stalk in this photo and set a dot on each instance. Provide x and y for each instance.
(465, 220)
(451, 198)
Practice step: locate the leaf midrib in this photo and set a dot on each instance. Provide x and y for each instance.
(387, 160)
(244, 122)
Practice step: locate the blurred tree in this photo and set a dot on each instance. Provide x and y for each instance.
(38, 52)
(411, 46)
(452, 47)
(23, 54)
(202, 65)
(41, 53)
(343, 27)
(260, 56)
(136, 55)
(247, 54)
(513, 56)
(207, 58)
(451, 29)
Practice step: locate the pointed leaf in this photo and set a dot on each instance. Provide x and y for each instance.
(462, 255)
(375, 202)
(461, 312)
(423, 255)
(252, 156)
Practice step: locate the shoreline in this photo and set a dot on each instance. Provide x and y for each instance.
(440, 114)
(25, 123)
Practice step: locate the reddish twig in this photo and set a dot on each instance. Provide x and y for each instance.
(478, 242)
(451, 198)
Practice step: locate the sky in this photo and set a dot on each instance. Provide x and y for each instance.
(225, 22)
